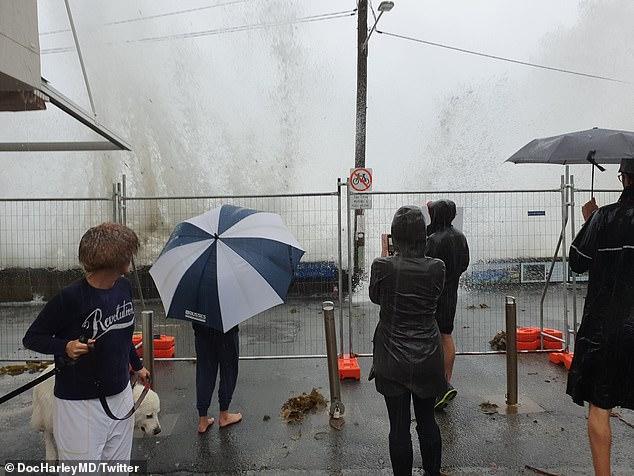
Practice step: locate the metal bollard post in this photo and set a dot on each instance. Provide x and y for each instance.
(336, 406)
(148, 343)
(511, 351)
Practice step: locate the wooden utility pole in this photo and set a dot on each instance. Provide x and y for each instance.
(362, 82)
(362, 101)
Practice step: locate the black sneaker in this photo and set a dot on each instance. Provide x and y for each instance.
(444, 400)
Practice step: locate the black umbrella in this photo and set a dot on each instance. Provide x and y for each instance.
(595, 146)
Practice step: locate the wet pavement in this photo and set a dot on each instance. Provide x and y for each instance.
(474, 443)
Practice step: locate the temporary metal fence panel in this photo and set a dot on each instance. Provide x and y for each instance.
(39, 239)
(512, 237)
(293, 329)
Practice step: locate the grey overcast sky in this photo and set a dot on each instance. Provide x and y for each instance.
(273, 109)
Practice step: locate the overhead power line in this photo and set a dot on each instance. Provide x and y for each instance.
(253, 26)
(218, 31)
(501, 58)
(372, 9)
(178, 12)
(54, 32)
(61, 49)
(158, 15)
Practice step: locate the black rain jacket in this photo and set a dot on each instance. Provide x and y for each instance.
(450, 246)
(602, 370)
(407, 350)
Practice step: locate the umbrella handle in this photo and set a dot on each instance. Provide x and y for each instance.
(593, 162)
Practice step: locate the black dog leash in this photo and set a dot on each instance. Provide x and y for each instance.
(60, 362)
(102, 398)
(137, 404)
(26, 387)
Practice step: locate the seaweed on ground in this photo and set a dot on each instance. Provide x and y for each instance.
(30, 367)
(296, 408)
(499, 341)
(488, 408)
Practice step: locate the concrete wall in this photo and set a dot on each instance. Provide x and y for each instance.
(19, 45)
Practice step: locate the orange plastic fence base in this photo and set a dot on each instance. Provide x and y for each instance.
(529, 345)
(527, 334)
(561, 358)
(530, 334)
(552, 344)
(164, 342)
(159, 353)
(164, 347)
(349, 367)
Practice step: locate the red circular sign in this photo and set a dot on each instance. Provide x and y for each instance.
(361, 180)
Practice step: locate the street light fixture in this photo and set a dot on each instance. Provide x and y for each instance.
(386, 6)
(383, 7)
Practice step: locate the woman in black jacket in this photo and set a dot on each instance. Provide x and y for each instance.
(449, 245)
(408, 357)
(602, 371)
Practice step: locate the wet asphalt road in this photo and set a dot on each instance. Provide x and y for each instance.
(474, 443)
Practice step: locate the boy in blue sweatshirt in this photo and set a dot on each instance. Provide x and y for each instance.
(97, 308)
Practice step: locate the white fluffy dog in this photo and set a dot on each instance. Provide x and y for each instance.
(145, 418)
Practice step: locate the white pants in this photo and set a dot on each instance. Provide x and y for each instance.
(83, 431)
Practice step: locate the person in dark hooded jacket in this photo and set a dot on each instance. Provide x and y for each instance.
(407, 358)
(449, 245)
(602, 371)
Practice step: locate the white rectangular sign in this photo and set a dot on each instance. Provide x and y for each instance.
(360, 201)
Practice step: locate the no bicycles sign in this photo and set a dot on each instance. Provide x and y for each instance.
(361, 180)
(360, 184)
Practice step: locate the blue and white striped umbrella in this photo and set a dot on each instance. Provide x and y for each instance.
(225, 266)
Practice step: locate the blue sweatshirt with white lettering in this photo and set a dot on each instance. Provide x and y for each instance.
(106, 315)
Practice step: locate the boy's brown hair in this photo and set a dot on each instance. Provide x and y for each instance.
(107, 246)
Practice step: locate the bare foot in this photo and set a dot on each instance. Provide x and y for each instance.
(204, 423)
(228, 419)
